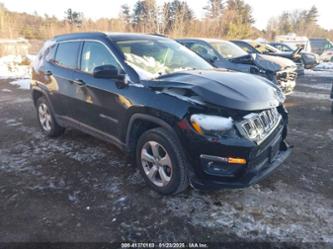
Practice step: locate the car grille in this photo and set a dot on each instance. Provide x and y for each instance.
(258, 126)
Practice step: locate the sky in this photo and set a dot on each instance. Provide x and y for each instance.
(263, 10)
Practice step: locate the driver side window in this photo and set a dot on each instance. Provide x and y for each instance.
(95, 54)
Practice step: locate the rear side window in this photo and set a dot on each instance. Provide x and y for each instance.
(66, 54)
(95, 54)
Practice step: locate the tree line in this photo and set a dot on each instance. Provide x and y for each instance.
(228, 19)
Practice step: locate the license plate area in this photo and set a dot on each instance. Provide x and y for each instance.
(274, 150)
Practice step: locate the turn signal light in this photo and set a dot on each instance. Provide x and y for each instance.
(236, 160)
(197, 128)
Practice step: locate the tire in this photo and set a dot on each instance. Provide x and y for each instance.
(169, 150)
(46, 119)
(332, 108)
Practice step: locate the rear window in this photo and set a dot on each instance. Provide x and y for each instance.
(66, 54)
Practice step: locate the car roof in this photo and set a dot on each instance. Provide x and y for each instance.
(201, 39)
(111, 35)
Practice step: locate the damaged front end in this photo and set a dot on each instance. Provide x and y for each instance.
(282, 71)
(228, 144)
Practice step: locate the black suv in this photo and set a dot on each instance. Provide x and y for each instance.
(182, 121)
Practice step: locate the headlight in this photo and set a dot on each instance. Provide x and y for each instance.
(211, 125)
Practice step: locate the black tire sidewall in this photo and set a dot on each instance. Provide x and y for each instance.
(175, 160)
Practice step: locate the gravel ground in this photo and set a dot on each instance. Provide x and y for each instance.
(79, 189)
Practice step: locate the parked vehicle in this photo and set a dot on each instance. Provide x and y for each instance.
(178, 117)
(225, 54)
(261, 48)
(309, 60)
(327, 55)
(320, 45)
(295, 41)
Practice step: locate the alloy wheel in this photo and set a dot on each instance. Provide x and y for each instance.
(156, 163)
(45, 117)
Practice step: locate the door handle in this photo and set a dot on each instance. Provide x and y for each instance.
(78, 82)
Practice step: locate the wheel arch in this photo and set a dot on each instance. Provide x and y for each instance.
(139, 123)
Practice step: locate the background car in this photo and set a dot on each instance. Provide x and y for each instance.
(261, 48)
(310, 60)
(319, 45)
(225, 54)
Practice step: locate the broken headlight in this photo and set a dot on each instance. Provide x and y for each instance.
(211, 125)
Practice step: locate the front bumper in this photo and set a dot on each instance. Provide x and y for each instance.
(261, 159)
(252, 176)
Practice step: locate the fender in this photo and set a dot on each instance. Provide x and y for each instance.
(149, 118)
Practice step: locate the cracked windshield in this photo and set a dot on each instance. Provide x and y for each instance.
(153, 58)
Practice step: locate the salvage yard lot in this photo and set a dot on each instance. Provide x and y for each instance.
(79, 189)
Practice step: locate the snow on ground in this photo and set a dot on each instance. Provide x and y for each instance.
(260, 213)
(324, 66)
(22, 83)
(320, 73)
(309, 95)
(13, 67)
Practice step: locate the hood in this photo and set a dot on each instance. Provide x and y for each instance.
(225, 88)
(273, 63)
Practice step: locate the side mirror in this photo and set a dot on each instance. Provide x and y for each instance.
(108, 72)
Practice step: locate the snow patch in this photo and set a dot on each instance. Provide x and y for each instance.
(324, 66)
(12, 66)
(6, 90)
(319, 86)
(22, 83)
(330, 134)
(279, 213)
(308, 95)
(212, 123)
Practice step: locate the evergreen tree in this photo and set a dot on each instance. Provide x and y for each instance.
(145, 16)
(125, 13)
(214, 8)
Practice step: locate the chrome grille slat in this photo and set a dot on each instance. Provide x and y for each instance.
(262, 123)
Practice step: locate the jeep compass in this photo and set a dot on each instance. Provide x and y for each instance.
(182, 121)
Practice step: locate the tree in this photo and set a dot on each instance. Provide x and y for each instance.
(125, 13)
(214, 8)
(176, 16)
(312, 15)
(237, 19)
(145, 16)
(73, 17)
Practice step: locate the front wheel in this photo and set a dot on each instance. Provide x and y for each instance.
(162, 161)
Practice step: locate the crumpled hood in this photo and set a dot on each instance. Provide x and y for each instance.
(273, 63)
(225, 88)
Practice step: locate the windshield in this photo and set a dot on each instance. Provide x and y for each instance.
(264, 48)
(228, 50)
(152, 58)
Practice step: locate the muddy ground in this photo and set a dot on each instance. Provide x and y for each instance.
(79, 189)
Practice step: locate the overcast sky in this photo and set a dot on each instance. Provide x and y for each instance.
(262, 9)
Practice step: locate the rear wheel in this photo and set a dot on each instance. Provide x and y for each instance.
(46, 119)
(162, 161)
